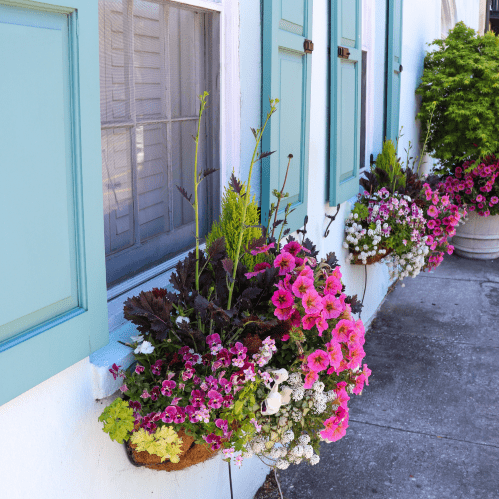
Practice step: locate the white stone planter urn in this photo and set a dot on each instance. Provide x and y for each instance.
(478, 238)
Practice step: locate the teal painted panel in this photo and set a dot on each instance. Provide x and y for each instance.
(347, 123)
(345, 82)
(42, 172)
(290, 124)
(348, 25)
(293, 11)
(286, 74)
(394, 66)
(54, 244)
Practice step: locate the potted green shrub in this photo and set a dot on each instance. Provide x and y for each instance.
(459, 87)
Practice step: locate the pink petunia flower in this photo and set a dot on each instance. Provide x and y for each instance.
(302, 285)
(283, 314)
(293, 247)
(262, 249)
(309, 321)
(307, 272)
(341, 332)
(335, 354)
(312, 302)
(332, 285)
(310, 378)
(318, 361)
(258, 269)
(332, 307)
(282, 299)
(433, 211)
(285, 262)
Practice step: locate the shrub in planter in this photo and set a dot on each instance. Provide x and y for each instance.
(211, 355)
(460, 81)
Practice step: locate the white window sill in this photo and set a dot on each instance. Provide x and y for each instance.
(103, 384)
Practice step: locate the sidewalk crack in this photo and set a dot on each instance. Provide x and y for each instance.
(426, 434)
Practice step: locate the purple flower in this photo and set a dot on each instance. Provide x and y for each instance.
(215, 399)
(167, 387)
(213, 339)
(114, 370)
(223, 424)
(180, 416)
(124, 388)
(215, 440)
(155, 393)
(145, 394)
(139, 369)
(197, 398)
(135, 405)
(192, 414)
(169, 414)
(156, 367)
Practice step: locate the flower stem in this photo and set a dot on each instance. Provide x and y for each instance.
(258, 137)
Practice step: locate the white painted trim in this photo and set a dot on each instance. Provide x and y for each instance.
(230, 92)
(203, 4)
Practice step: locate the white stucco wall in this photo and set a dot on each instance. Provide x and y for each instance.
(53, 445)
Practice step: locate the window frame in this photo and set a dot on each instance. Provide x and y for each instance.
(229, 144)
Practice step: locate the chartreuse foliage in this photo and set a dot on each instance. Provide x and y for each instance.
(388, 170)
(118, 420)
(461, 76)
(229, 226)
(164, 442)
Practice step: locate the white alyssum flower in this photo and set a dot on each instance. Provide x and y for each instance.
(287, 437)
(295, 379)
(314, 459)
(318, 386)
(144, 347)
(304, 439)
(282, 464)
(298, 394)
(297, 451)
(308, 451)
(181, 319)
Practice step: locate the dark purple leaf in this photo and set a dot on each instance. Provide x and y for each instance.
(184, 193)
(235, 184)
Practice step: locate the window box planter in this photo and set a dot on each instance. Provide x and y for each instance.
(191, 454)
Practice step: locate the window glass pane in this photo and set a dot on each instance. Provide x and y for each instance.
(113, 58)
(183, 169)
(186, 49)
(149, 59)
(152, 180)
(117, 189)
(155, 59)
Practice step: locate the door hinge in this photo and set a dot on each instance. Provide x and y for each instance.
(343, 52)
(308, 46)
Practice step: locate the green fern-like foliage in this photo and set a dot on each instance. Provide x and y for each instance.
(229, 225)
(388, 170)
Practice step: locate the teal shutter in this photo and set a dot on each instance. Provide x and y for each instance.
(286, 76)
(53, 309)
(346, 79)
(394, 51)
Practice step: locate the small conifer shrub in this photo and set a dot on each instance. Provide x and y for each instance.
(229, 226)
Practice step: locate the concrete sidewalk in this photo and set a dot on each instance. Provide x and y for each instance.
(428, 424)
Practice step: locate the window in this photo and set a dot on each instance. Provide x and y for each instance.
(447, 16)
(155, 59)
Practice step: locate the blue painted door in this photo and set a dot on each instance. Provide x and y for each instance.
(53, 309)
(394, 68)
(286, 76)
(345, 100)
